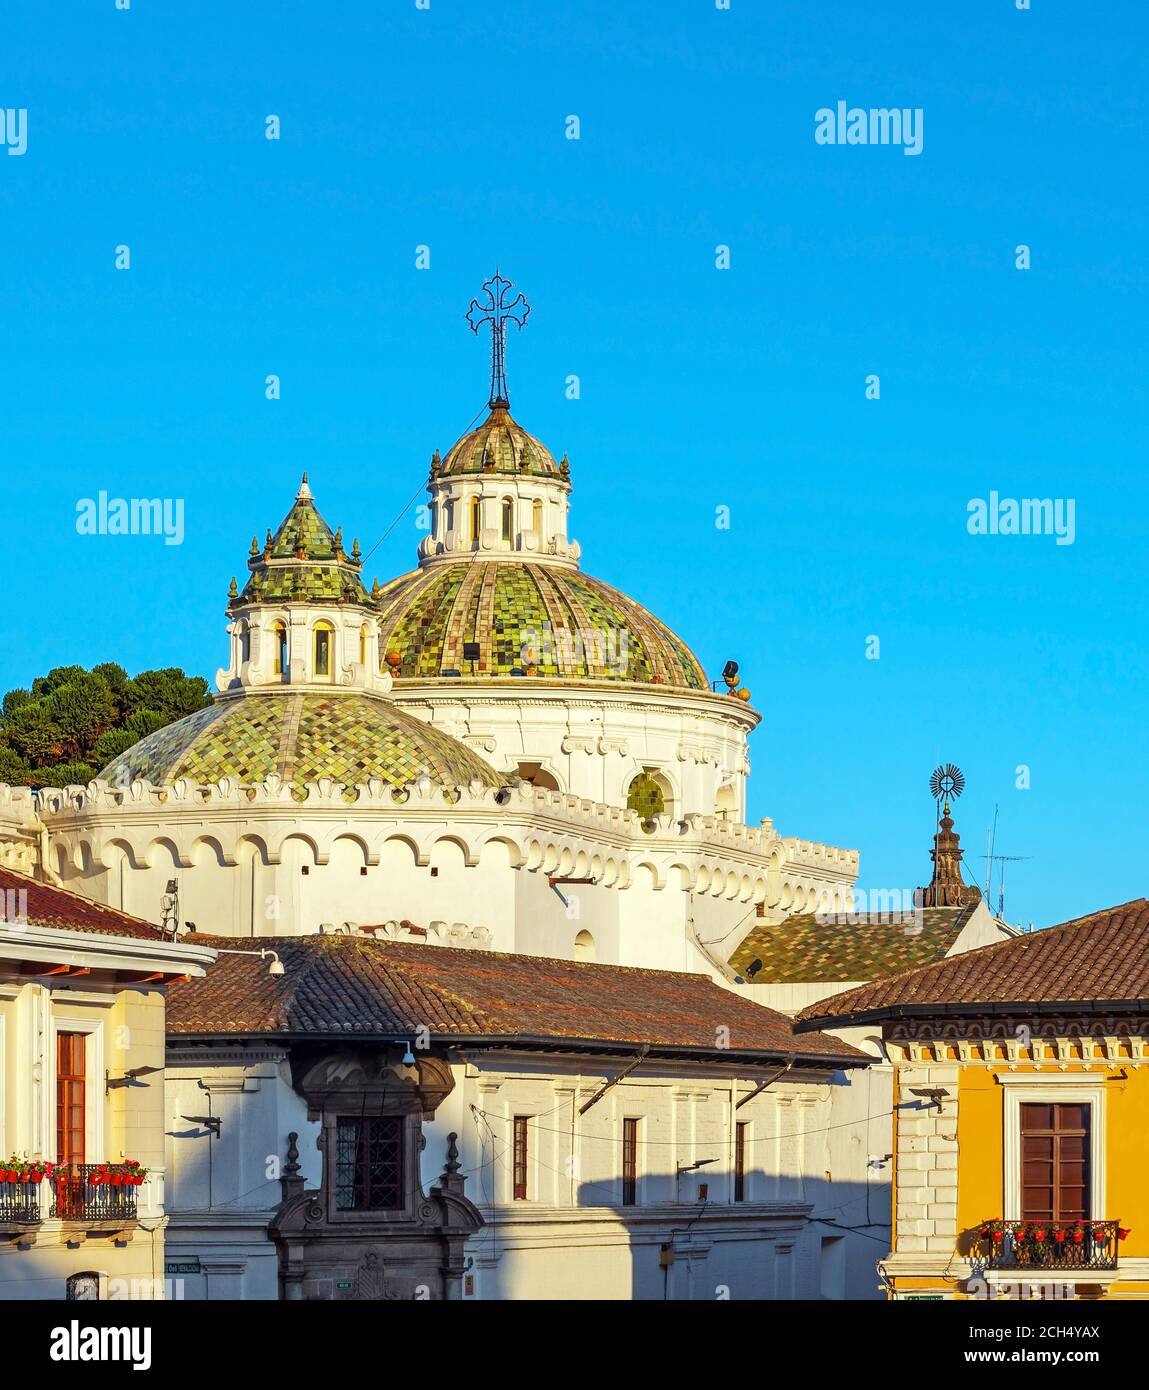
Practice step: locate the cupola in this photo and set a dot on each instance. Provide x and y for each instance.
(304, 618)
(499, 493)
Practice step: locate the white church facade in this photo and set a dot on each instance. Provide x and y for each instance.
(498, 755)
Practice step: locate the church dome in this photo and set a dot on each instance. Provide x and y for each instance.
(500, 445)
(300, 737)
(525, 614)
(303, 562)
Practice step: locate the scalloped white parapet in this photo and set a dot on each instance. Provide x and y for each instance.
(552, 832)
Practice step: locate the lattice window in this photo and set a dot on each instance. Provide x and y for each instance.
(369, 1163)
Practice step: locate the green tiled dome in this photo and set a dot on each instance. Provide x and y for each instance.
(500, 445)
(575, 627)
(351, 737)
(303, 562)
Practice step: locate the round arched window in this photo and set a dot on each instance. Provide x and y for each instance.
(647, 795)
(324, 665)
(279, 640)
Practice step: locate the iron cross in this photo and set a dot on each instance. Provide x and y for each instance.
(495, 308)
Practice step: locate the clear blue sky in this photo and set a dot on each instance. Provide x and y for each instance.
(699, 387)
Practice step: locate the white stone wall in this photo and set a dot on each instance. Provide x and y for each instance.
(223, 1189)
(927, 1153)
(571, 1238)
(594, 740)
(272, 865)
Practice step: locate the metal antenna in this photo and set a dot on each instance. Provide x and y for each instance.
(1003, 860)
(991, 836)
(495, 308)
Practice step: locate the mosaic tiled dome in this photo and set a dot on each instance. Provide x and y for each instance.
(501, 445)
(348, 736)
(303, 562)
(575, 628)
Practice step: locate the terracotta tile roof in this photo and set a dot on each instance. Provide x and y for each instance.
(811, 947)
(1099, 960)
(49, 906)
(352, 986)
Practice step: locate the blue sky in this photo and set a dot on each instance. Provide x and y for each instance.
(699, 387)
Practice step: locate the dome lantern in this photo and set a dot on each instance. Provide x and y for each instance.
(304, 618)
(498, 493)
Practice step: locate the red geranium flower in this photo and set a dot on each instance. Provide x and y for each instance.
(1059, 1236)
(1040, 1235)
(1121, 1233)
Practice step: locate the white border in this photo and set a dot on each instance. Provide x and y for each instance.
(63, 1021)
(1018, 1090)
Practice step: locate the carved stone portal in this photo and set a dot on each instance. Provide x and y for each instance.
(334, 1245)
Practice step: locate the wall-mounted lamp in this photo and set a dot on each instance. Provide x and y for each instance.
(114, 1083)
(276, 966)
(212, 1123)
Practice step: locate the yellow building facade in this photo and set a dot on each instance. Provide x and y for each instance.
(1020, 1116)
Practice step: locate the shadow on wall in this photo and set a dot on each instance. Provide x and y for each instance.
(694, 1251)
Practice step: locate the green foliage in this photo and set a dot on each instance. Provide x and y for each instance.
(13, 769)
(13, 700)
(64, 775)
(74, 722)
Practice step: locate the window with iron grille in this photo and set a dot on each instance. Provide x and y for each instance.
(629, 1162)
(369, 1163)
(740, 1136)
(520, 1158)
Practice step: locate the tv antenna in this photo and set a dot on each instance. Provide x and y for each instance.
(1003, 860)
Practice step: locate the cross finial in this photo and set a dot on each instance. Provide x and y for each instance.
(495, 307)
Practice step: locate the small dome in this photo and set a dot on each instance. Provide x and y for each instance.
(574, 628)
(303, 562)
(501, 445)
(351, 737)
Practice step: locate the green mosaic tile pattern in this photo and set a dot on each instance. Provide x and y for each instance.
(808, 947)
(160, 750)
(427, 615)
(304, 562)
(500, 445)
(301, 737)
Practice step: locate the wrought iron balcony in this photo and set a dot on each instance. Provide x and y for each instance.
(1058, 1245)
(19, 1204)
(80, 1199)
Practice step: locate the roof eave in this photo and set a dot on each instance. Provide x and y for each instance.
(969, 1010)
(521, 1041)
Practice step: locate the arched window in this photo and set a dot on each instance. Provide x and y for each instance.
(537, 517)
(324, 665)
(244, 643)
(508, 518)
(363, 645)
(476, 517)
(649, 795)
(584, 946)
(279, 636)
(537, 776)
